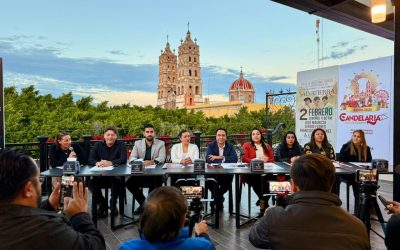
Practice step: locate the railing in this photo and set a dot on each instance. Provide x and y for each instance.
(39, 150)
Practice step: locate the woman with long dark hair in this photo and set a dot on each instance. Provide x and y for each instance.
(257, 148)
(289, 149)
(319, 144)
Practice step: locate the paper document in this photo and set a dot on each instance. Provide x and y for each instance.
(151, 166)
(96, 168)
(362, 164)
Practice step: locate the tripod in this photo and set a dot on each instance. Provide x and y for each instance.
(197, 207)
(367, 201)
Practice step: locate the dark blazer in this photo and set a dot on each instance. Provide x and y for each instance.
(285, 154)
(345, 155)
(327, 151)
(116, 153)
(229, 152)
(24, 227)
(58, 156)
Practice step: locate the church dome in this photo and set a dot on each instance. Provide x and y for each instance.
(241, 84)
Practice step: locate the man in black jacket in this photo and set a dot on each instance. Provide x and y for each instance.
(25, 226)
(314, 218)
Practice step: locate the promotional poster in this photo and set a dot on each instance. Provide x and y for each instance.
(316, 105)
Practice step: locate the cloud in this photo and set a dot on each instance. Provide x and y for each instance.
(117, 52)
(342, 49)
(43, 67)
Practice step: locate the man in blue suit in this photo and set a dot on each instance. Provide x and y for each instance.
(220, 151)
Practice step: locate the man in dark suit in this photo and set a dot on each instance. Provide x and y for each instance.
(220, 151)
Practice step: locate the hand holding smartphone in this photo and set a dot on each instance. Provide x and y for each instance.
(383, 200)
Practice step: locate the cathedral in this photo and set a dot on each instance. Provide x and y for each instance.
(179, 81)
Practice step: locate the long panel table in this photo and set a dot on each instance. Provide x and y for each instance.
(236, 169)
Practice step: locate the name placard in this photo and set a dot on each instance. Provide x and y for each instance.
(199, 165)
(381, 165)
(257, 165)
(71, 167)
(137, 167)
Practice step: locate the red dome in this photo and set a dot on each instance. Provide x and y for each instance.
(241, 84)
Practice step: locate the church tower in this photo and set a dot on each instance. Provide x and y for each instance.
(167, 78)
(189, 87)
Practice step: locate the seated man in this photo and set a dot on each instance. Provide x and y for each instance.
(162, 222)
(313, 219)
(392, 240)
(104, 154)
(26, 226)
(220, 151)
(151, 151)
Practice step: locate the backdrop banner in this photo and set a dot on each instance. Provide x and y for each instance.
(365, 102)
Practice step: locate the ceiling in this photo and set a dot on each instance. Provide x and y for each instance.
(353, 13)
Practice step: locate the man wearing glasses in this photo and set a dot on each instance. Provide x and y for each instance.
(28, 223)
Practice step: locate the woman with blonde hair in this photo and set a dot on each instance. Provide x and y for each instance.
(355, 150)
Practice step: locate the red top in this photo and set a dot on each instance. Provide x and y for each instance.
(250, 153)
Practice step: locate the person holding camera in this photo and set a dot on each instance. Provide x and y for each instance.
(355, 150)
(28, 223)
(152, 151)
(314, 218)
(220, 151)
(392, 240)
(162, 224)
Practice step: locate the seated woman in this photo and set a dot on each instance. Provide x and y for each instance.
(289, 149)
(183, 153)
(61, 150)
(257, 148)
(355, 150)
(319, 144)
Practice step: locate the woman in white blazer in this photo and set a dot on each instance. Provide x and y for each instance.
(184, 152)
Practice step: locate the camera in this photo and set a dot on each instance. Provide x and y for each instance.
(367, 175)
(195, 193)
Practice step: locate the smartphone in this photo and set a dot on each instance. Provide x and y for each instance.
(367, 175)
(191, 192)
(67, 183)
(383, 200)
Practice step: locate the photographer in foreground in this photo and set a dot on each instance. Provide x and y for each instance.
(392, 240)
(162, 224)
(313, 219)
(25, 226)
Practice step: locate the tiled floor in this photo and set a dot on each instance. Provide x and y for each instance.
(227, 236)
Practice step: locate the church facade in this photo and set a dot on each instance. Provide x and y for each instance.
(179, 83)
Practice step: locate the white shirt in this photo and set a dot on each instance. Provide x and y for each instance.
(177, 154)
(259, 151)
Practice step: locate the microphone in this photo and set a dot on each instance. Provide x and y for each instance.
(71, 149)
(240, 149)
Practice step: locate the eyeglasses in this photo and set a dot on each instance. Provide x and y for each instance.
(42, 179)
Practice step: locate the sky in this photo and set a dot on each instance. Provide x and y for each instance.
(110, 49)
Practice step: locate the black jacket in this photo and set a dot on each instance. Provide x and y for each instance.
(116, 153)
(285, 154)
(24, 227)
(313, 220)
(327, 151)
(58, 156)
(345, 155)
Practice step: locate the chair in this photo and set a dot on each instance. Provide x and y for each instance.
(347, 187)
